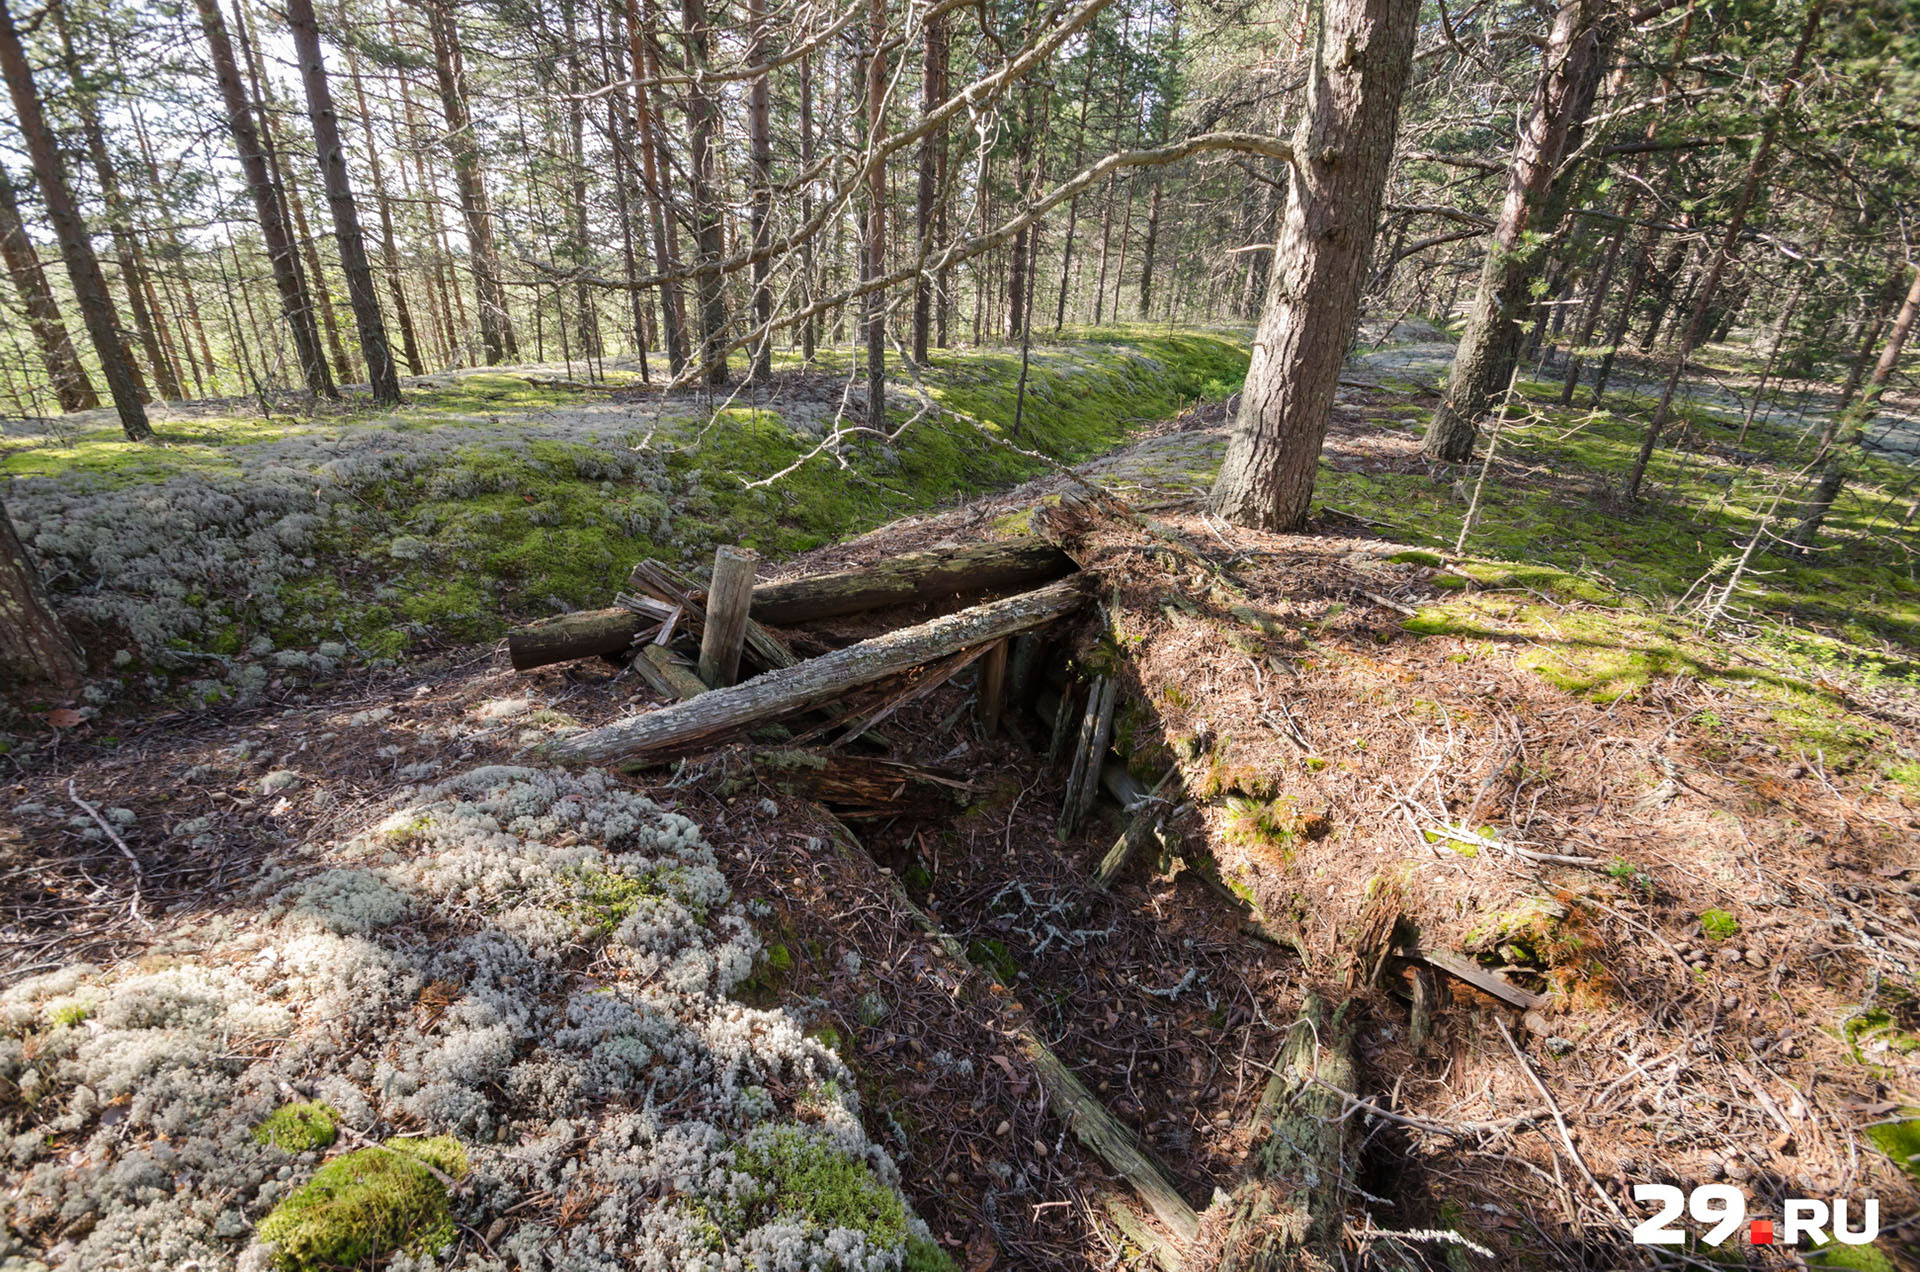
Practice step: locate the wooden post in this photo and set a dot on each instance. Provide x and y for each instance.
(993, 687)
(728, 597)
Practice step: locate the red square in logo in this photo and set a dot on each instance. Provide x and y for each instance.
(1761, 1233)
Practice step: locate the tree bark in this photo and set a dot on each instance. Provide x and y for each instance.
(644, 738)
(389, 251)
(83, 267)
(760, 147)
(658, 180)
(1344, 143)
(703, 121)
(1294, 1203)
(71, 387)
(874, 240)
(1852, 429)
(33, 643)
(1577, 53)
(933, 91)
(496, 325)
(346, 215)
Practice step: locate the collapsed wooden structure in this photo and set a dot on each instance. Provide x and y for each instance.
(1289, 1211)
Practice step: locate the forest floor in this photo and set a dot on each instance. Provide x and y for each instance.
(1699, 844)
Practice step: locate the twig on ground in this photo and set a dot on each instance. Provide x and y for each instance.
(139, 876)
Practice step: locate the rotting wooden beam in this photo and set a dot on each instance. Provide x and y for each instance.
(1290, 1211)
(911, 576)
(641, 739)
(667, 675)
(859, 786)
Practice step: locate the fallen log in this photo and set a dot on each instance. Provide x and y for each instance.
(912, 576)
(775, 694)
(1291, 1211)
(578, 635)
(1143, 828)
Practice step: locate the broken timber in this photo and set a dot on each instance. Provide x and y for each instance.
(1475, 975)
(1290, 1213)
(909, 577)
(771, 695)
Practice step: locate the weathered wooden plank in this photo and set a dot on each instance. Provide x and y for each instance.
(724, 636)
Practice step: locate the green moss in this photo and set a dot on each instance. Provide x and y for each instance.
(1413, 556)
(298, 1128)
(1270, 824)
(1899, 1141)
(993, 956)
(67, 1013)
(1718, 925)
(602, 900)
(366, 1205)
(805, 1179)
(1530, 934)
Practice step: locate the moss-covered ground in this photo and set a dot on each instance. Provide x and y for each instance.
(497, 496)
(1604, 597)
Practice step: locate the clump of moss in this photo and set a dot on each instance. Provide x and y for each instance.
(807, 1180)
(1269, 823)
(68, 1013)
(1414, 556)
(603, 899)
(1222, 776)
(297, 1128)
(368, 1204)
(1718, 925)
(1900, 1141)
(1531, 934)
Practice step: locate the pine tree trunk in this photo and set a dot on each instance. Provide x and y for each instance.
(83, 267)
(496, 325)
(703, 122)
(1576, 56)
(625, 170)
(760, 144)
(346, 215)
(658, 170)
(933, 91)
(69, 378)
(389, 252)
(83, 100)
(33, 644)
(874, 241)
(1342, 147)
(810, 326)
